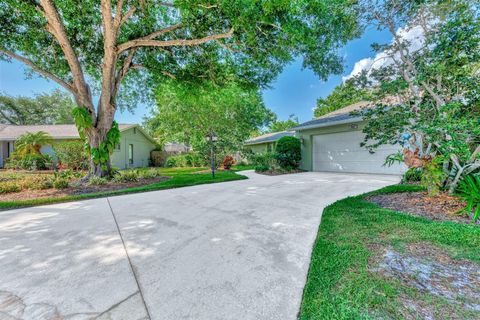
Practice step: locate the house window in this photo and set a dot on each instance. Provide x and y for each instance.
(134, 130)
(117, 146)
(269, 147)
(130, 153)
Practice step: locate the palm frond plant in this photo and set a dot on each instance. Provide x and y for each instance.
(31, 143)
(469, 190)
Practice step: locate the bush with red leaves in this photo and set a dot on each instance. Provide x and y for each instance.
(228, 162)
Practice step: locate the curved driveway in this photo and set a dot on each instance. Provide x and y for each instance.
(235, 250)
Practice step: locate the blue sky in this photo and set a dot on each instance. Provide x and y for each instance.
(294, 92)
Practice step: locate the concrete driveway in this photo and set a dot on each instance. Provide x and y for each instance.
(236, 250)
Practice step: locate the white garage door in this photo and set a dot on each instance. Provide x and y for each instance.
(341, 152)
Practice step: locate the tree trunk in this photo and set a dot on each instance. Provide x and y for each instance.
(95, 137)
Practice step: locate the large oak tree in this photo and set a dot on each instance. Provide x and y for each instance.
(116, 49)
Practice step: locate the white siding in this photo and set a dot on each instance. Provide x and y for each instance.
(341, 152)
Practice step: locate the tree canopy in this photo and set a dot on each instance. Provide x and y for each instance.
(53, 108)
(283, 125)
(343, 95)
(437, 118)
(118, 49)
(187, 113)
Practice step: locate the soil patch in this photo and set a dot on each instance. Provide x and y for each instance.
(77, 190)
(429, 269)
(442, 207)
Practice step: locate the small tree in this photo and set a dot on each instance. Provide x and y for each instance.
(288, 152)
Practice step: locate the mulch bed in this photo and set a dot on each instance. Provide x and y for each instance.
(278, 173)
(77, 190)
(442, 207)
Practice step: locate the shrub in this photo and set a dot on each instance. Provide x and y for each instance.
(37, 182)
(60, 183)
(469, 190)
(9, 187)
(433, 176)
(412, 175)
(288, 152)
(148, 174)
(185, 160)
(72, 154)
(97, 181)
(29, 162)
(228, 162)
(131, 175)
(263, 161)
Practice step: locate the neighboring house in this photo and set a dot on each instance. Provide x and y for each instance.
(266, 142)
(133, 150)
(332, 143)
(176, 148)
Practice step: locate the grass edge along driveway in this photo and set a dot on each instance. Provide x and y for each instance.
(352, 232)
(180, 177)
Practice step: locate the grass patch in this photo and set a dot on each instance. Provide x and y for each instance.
(241, 167)
(340, 285)
(180, 177)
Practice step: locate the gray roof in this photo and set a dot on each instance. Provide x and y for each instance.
(269, 137)
(60, 131)
(342, 115)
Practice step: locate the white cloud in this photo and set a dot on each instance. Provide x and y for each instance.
(414, 35)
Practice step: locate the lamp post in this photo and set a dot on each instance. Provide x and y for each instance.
(212, 138)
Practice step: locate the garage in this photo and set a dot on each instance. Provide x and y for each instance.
(341, 152)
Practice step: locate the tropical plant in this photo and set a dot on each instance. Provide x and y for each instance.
(412, 175)
(121, 48)
(288, 152)
(469, 190)
(31, 143)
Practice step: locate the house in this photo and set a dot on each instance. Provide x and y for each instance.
(266, 142)
(332, 143)
(176, 148)
(133, 150)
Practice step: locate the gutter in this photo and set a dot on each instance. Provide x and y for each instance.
(328, 124)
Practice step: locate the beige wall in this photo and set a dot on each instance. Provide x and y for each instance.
(261, 147)
(141, 150)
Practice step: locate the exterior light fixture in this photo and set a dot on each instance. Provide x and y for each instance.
(212, 138)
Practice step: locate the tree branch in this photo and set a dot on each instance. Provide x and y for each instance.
(106, 107)
(35, 68)
(144, 42)
(57, 29)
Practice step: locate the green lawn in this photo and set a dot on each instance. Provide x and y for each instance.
(340, 284)
(180, 177)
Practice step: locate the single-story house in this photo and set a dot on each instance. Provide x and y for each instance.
(133, 151)
(332, 143)
(266, 142)
(176, 148)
